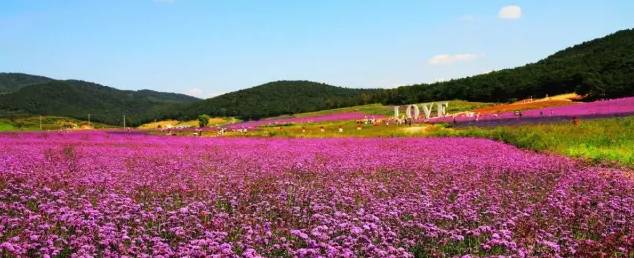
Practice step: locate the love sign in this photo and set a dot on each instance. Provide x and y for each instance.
(413, 111)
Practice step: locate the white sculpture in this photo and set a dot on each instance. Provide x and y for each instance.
(427, 107)
(442, 108)
(408, 111)
(412, 111)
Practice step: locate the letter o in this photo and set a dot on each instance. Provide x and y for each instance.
(408, 111)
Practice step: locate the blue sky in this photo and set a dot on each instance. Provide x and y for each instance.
(205, 48)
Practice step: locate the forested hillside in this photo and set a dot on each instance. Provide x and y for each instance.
(277, 98)
(11, 82)
(601, 68)
(77, 99)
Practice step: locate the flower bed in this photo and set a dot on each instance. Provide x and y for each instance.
(301, 120)
(603, 108)
(101, 194)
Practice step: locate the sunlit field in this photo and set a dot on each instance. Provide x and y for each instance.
(36, 123)
(607, 140)
(316, 129)
(594, 109)
(105, 194)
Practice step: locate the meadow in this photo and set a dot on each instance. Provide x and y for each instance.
(118, 193)
(5, 126)
(277, 121)
(331, 130)
(599, 140)
(32, 123)
(595, 109)
(376, 111)
(212, 121)
(325, 184)
(528, 104)
(608, 140)
(316, 129)
(379, 109)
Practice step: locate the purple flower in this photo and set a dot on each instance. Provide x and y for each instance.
(143, 195)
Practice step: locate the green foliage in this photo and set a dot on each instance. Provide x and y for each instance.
(203, 120)
(456, 106)
(277, 98)
(12, 82)
(374, 109)
(601, 68)
(386, 110)
(586, 69)
(32, 123)
(6, 126)
(600, 140)
(331, 130)
(77, 99)
(165, 97)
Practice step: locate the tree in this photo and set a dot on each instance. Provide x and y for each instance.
(203, 120)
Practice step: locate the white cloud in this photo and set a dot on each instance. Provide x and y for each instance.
(450, 59)
(195, 92)
(203, 94)
(510, 12)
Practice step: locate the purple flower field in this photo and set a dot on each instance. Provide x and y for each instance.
(602, 108)
(301, 120)
(103, 194)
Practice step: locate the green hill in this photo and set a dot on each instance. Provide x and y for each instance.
(77, 99)
(278, 98)
(166, 97)
(601, 68)
(12, 82)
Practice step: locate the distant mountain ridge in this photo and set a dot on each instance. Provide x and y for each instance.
(167, 96)
(77, 99)
(278, 98)
(599, 68)
(74, 98)
(12, 82)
